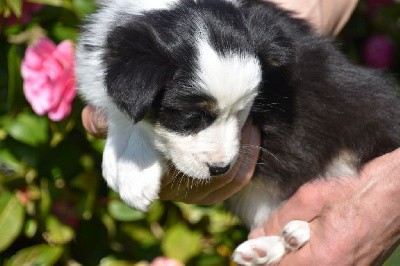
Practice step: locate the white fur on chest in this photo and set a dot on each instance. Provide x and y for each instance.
(255, 203)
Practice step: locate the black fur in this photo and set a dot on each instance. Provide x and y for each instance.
(316, 103)
(155, 51)
(312, 103)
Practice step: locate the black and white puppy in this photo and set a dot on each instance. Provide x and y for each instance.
(177, 79)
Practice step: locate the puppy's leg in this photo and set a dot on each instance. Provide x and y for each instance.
(271, 249)
(131, 165)
(117, 138)
(140, 169)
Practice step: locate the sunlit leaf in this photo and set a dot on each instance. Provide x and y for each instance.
(155, 212)
(62, 32)
(84, 7)
(11, 219)
(27, 128)
(139, 233)
(9, 164)
(31, 227)
(114, 262)
(181, 243)
(50, 2)
(57, 232)
(15, 6)
(36, 255)
(122, 212)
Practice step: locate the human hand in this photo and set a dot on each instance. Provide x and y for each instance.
(327, 17)
(178, 187)
(353, 220)
(94, 121)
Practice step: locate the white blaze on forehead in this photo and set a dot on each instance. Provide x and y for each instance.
(229, 78)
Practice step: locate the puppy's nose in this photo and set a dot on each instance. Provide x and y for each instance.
(218, 170)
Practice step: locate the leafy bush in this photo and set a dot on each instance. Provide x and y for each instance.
(55, 207)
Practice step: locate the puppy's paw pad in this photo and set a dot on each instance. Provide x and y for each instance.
(296, 233)
(261, 250)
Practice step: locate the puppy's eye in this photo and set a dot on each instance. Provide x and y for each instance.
(195, 120)
(193, 116)
(186, 121)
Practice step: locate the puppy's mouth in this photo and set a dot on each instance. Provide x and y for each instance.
(198, 170)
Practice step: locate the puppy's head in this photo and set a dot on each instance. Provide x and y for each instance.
(193, 72)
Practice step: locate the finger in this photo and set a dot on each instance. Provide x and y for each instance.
(94, 121)
(303, 256)
(305, 205)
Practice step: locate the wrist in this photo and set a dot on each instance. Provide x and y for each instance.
(379, 199)
(327, 17)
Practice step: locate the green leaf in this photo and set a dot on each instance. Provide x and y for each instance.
(14, 93)
(10, 163)
(155, 212)
(394, 259)
(36, 255)
(27, 128)
(58, 233)
(11, 219)
(109, 261)
(122, 212)
(15, 6)
(180, 243)
(31, 227)
(49, 2)
(140, 233)
(84, 7)
(63, 32)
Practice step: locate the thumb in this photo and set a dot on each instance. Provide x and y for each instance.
(305, 205)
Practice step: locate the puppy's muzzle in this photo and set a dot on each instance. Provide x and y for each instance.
(218, 170)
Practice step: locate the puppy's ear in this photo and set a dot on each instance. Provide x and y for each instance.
(137, 68)
(276, 51)
(272, 32)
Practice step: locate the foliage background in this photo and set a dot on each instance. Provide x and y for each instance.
(54, 206)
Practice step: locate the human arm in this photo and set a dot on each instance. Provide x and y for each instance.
(326, 16)
(354, 220)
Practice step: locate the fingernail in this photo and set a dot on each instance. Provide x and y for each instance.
(98, 121)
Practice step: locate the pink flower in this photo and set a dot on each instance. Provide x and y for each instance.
(164, 261)
(28, 9)
(378, 52)
(49, 80)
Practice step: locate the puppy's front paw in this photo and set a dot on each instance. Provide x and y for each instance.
(131, 165)
(139, 187)
(271, 249)
(139, 169)
(296, 233)
(109, 165)
(262, 250)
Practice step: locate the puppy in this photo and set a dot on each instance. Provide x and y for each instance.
(177, 79)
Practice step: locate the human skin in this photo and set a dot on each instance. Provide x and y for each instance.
(354, 220)
(326, 16)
